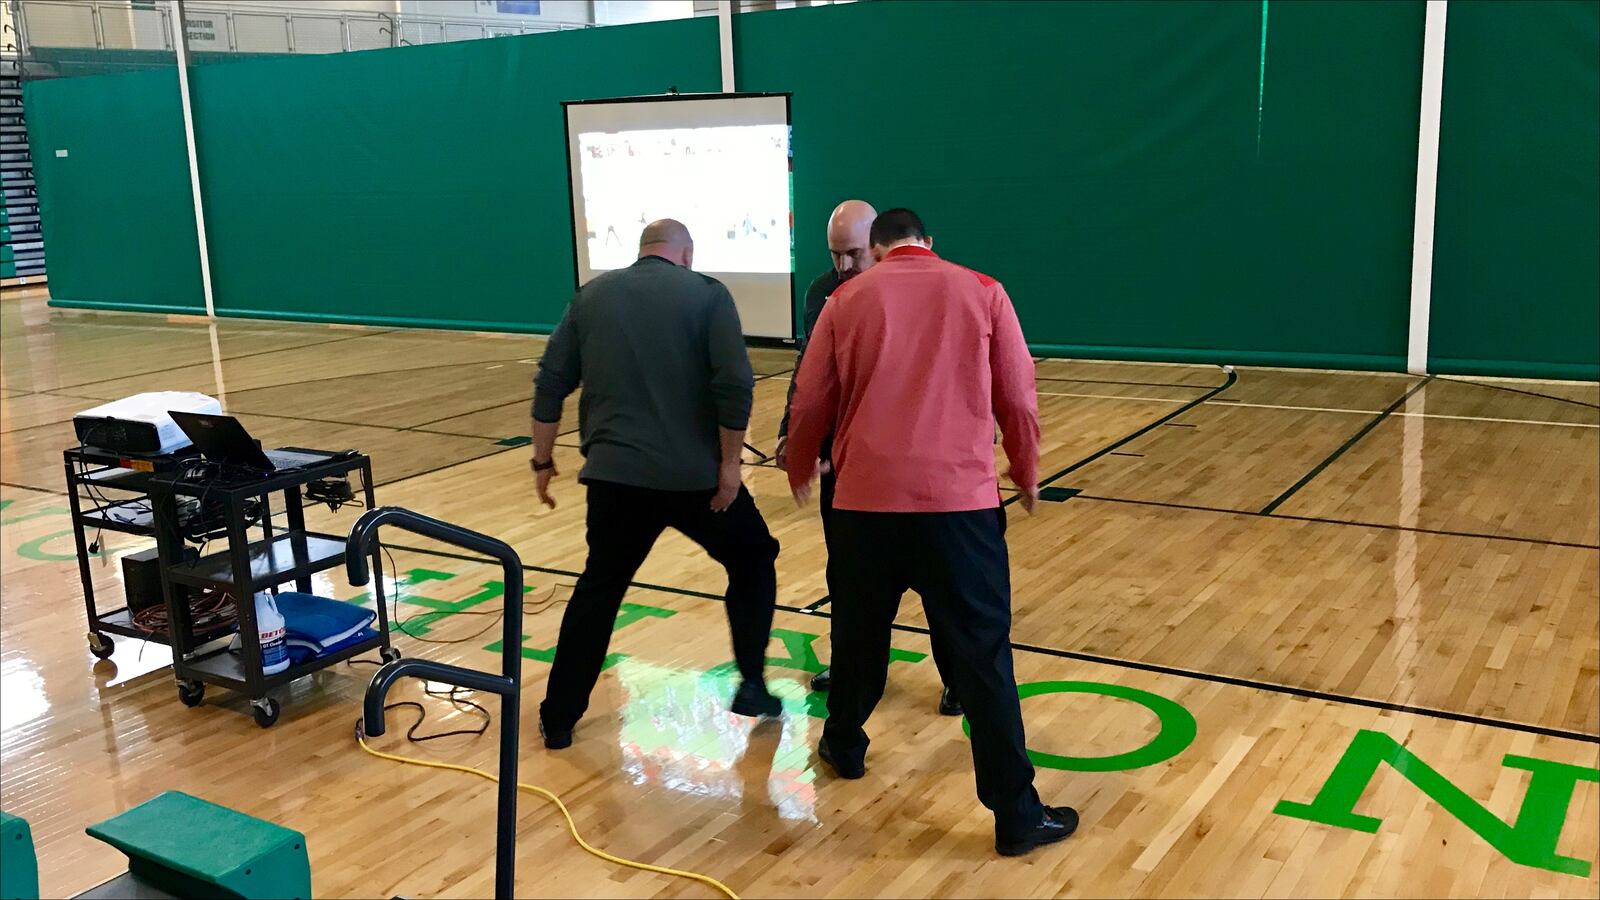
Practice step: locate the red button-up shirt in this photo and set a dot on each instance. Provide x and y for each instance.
(910, 366)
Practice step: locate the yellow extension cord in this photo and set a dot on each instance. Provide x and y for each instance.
(571, 826)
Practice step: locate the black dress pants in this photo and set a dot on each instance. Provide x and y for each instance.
(623, 524)
(825, 504)
(958, 563)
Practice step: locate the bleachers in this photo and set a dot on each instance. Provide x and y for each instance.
(21, 240)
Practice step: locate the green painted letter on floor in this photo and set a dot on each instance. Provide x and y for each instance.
(1530, 841)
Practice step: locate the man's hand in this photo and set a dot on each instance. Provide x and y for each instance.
(728, 482)
(802, 494)
(1028, 497)
(779, 453)
(541, 480)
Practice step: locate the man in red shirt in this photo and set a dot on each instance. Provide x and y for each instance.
(910, 366)
(850, 245)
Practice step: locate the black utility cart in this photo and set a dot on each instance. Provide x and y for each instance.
(110, 492)
(233, 564)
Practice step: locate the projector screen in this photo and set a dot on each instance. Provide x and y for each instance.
(718, 163)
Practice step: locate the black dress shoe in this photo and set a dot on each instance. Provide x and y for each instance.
(948, 704)
(822, 680)
(1058, 824)
(555, 738)
(754, 700)
(850, 770)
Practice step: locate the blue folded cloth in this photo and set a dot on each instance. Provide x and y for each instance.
(320, 622)
(302, 650)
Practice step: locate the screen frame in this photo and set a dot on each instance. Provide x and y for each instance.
(572, 196)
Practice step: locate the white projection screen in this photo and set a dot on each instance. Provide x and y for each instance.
(719, 163)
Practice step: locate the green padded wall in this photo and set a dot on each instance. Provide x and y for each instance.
(1516, 281)
(1227, 182)
(1102, 160)
(415, 186)
(117, 212)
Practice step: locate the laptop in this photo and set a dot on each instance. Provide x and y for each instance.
(223, 439)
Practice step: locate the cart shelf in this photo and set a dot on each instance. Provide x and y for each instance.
(286, 556)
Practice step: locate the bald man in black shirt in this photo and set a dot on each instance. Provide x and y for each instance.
(849, 228)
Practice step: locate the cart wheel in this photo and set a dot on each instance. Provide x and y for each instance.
(265, 711)
(101, 646)
(190, 693)
(389, 654)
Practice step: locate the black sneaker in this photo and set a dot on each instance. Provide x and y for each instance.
(753, 699)
(948, 704)
(822, 680)
(1058, 824)
(852, 771)
(555, 738)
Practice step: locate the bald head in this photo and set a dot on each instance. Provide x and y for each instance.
(849, 233)
(668, 239)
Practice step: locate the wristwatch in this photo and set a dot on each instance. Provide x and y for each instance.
(545, 466)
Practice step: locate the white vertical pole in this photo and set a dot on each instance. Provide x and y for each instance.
(181, 47)
(1427, 185)
(725, 33)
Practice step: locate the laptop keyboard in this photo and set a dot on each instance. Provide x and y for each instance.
(289, 459)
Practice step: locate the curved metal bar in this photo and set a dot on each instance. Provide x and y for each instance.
(362, 542)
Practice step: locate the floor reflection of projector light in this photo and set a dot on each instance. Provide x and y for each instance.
(678, 732)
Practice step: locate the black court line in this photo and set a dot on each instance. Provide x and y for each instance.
(817, 604)
(1349, 522)
(95, 401)
(1192, 387)
(478, 362)
(451, 465)
(448, 465)
(1264, 686)
(50, 423)
(1293, 691)
(395, 428)
(1366, 429)
(228, 358)
(29, 487)
(1233, 377)
(547, 570)
(1501, 387)
(470, 412)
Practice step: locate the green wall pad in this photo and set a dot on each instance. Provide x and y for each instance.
(113, 178)
(190, 847)
(415, 186)
(1226, 182)
(1138, 180)
(19, 868)
(1516, 281)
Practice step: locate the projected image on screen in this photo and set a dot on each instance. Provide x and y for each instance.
(728, 184)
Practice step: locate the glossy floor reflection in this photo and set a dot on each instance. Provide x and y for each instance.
(1433, 586)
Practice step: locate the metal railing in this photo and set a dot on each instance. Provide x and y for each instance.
(147, 25)
(363, 541)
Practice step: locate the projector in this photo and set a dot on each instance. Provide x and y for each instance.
(140, 424)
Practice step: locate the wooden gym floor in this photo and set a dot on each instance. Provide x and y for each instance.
(1261, 576)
